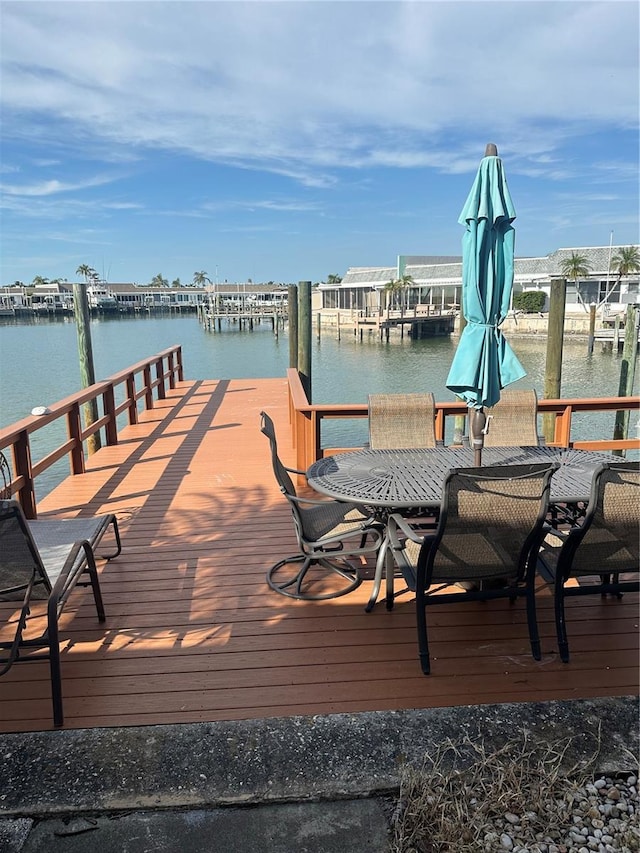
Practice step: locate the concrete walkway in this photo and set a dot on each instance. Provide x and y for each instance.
(289, 785)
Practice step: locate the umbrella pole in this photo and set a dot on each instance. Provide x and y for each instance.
(477, 421)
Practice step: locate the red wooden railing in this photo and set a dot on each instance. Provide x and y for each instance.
(306, 420)
(147, 380)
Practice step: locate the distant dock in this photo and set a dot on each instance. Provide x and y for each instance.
(421, 322)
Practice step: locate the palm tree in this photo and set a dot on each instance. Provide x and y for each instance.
(626, 261)
(574, 267)
(332, 278)
(393, 287)
(159, 281)
(200, 279)
(39, 281)
(86, 271)
(399, 286)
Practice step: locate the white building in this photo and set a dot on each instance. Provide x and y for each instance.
(437, 281)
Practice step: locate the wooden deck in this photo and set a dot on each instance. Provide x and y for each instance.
(193, 633)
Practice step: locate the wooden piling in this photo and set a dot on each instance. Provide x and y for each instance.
(304, 336)
(85, 355)
(292, 310)
(555, 340)
(627, 371)
(592, 328)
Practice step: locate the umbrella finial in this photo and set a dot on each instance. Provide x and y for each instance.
(491, 150)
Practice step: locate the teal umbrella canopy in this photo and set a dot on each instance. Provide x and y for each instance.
(484, 363)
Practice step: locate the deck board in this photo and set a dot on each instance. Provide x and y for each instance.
(193, 633)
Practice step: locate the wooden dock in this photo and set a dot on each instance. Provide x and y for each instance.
(193, 633)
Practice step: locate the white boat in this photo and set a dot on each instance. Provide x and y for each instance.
(101, 299)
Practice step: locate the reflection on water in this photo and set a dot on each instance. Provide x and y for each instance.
(39, 365)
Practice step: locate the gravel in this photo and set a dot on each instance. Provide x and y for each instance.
(515, 800)
(602, 817)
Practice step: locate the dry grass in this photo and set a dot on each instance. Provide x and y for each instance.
(462, 793)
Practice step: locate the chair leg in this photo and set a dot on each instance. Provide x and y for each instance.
(421, 623)
(285, 587)
(377, 578)
(532, 620)
(561, 626)
(116, 533)
(54, 663)
(390, 571)
(95, 583)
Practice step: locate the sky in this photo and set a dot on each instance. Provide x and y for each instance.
(286, 141)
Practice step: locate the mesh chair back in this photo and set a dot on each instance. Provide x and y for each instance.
(490, 520)
(20, 561)
(513, 422)
(5, 478)
(610, 536)
(401, 421)
(282, 475)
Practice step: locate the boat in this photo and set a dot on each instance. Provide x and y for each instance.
(101, 299)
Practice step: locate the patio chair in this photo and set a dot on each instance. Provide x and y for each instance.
(401, 421)
(513, 421)
(328, 532)
(602, 549)
(490, 528)
(46, 560)
(5, 478)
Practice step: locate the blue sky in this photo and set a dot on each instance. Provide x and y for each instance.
(288, 140)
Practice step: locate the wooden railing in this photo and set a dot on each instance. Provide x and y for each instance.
(306, 420)
(147, 380)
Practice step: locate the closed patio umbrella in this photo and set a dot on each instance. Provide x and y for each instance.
(484, 363)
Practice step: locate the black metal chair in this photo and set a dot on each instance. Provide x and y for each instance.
(45, 560)
(492, 521)
(328, 532)
(603, 548)
(5, 478)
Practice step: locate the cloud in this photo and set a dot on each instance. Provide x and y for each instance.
(303, 89)
(52, 187)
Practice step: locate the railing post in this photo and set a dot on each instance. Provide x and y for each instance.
(131, 397)
(160, 378)
(562, 427)
(180, 365)
(109, 405)
(74, 430)
(170, 362)
(148, 390)
(22, 468)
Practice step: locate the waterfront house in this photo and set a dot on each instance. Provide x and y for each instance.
(437, 282)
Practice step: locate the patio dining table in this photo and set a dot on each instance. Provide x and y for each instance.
(387, 481)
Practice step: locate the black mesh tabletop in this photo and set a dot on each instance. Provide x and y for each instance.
(412, 478)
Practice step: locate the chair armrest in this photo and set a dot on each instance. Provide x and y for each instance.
(297, 499)
(294, 470)
(80, 556)
(397, 522)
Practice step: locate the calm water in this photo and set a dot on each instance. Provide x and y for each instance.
(39, 365)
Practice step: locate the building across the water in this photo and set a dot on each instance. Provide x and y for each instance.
(437, 281)
(125, 298)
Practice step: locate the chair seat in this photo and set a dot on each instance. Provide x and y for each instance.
(54, 539)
